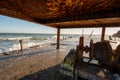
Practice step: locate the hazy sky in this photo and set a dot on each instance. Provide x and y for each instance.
(12, 25)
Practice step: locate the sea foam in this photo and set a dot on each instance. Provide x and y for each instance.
(27, 43)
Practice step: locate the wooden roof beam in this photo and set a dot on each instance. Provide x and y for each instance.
(104, 22)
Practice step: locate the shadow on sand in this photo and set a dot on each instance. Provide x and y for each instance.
(51, 73)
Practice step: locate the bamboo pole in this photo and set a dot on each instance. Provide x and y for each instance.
(58, 38)
(103, 34)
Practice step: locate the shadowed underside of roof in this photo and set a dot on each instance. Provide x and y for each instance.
(65, 13)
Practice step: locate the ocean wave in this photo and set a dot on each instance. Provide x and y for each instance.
(27, 42)
(16, 38)
(26, 45)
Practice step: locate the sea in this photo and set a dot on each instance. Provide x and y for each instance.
(10, 41)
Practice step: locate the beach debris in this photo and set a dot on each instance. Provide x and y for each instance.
(101, 51)
(108, 61)
(67, 66)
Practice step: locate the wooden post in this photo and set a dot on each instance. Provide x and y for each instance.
(80, 49)
(58, 38)
(81, 41)
(21, 45)
(103, 34)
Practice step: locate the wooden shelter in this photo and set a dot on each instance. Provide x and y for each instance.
(65, 13)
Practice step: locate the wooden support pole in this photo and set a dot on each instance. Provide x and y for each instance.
(58, 38)
(103, 34)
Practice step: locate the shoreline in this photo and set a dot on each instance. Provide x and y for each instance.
(47, 58)
(29, 51)
(17, 68)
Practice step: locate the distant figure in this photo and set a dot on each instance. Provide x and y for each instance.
(110, 38)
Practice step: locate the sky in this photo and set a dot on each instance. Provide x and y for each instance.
(13, 25)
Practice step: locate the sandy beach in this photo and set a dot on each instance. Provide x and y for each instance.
(17, 68)
(37, 63)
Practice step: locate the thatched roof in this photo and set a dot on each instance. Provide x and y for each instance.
(65, 13)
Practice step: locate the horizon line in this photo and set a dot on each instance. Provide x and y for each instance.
(47, 33)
